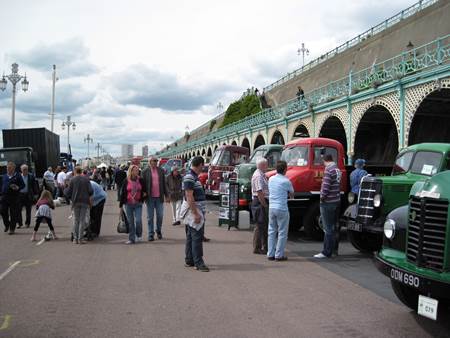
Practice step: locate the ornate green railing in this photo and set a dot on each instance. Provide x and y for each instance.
(433, 54)
(410, 11)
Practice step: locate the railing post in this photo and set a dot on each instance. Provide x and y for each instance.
(350, 82)
(401, 96)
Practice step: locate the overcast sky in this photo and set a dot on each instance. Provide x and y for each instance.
(139, 71)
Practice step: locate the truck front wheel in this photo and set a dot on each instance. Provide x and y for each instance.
(312, 224)
(407, 295)
(365, 242)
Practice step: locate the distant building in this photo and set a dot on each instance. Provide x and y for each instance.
(145, 151)
(127, 150)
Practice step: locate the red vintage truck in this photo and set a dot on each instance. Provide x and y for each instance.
(305, 170)
(224, 160)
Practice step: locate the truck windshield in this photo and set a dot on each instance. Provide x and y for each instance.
(257, 155)
(426, 163)
(296, 156)
(402, 163)
(215, 159)
(19, 157)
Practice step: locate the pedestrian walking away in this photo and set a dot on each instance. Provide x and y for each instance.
(155, 186)
(260, 206)
(49, 181)
(119, 178)
(330, 200)
(131, 198)
(12, 183)
(80, 192)
(193, 213)
(44, 214)
(357, 175)
(280, 189)
(96, 212)
(174, 193)
(28, 195)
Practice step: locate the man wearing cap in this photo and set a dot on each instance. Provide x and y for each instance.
(357, 175)
(175, 193)
(155, 184)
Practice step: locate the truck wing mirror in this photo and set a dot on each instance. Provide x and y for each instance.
(322, 151)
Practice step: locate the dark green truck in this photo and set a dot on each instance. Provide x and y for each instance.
(244, 172)
(416, 247)
(378, 196)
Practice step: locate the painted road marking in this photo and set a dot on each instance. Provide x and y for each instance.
(6, 322)
(28, 262)
(40, 242)
(11, 268)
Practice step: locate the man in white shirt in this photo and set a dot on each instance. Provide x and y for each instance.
(60, 181)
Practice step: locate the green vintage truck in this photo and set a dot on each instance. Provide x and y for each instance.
(416, 247)
(378, 196)
(244, 172)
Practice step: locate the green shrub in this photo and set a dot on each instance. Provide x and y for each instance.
(240, 109)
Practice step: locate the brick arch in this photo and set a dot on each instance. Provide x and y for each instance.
(389, 101)
(340, 113)
(259, 136)
(414, 97)
(305, 123)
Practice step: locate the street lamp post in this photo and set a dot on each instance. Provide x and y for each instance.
(14, 78)
(68, 123)
(52, 111)
(88, 140)
(98, 147)
(302, 51)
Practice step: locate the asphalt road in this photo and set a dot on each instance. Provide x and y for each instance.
(108, 289)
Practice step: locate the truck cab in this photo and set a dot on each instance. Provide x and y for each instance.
(244, 172)
(380, 195)
(224, 160)
(19, 156)
(304, 158)
(415, 253)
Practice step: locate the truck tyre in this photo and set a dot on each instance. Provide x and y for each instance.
(406, 295)
(365, 242)
(311, 223)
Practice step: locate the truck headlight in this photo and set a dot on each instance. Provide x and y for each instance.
(377, 200)
(389, 228)
(351, 197)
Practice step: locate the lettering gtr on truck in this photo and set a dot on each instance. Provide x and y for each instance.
(379, 195)
(416, 247)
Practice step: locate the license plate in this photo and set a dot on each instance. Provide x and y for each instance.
(427, 307)
(405, 278)
(352, 225)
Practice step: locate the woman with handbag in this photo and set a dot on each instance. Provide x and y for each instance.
(132, 195)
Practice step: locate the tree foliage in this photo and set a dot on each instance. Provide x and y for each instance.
(246, 106)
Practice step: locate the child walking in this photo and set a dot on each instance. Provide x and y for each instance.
(44, 213)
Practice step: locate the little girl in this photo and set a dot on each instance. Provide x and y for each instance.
(44, 213)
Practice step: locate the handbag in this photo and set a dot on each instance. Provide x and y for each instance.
(123, 226)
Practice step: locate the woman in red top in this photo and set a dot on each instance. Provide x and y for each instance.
(132, 195)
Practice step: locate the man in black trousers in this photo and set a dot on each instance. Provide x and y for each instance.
(27, 195)
(12, 183)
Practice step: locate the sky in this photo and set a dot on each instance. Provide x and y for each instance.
(140, 71)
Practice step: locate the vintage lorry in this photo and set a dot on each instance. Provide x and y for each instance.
(416, 247)
(244, 172)
(224, 160)
(379, 195)
(304, 158)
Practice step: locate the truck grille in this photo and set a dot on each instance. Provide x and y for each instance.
(370, 186)
(426, 232)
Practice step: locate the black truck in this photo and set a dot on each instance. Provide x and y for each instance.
(36, 147)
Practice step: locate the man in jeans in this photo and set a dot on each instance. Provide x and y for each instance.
(330, 200)
(155, 185)
(193, 212)
(260, 206)
(280, 188)
(80, 192)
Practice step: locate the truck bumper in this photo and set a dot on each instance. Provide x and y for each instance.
(425, 285)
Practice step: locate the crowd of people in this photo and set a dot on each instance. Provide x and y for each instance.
(270, 207)
(85, 191)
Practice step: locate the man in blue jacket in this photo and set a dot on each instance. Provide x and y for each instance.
(12, 183)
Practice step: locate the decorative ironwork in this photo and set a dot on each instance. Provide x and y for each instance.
(428, 56)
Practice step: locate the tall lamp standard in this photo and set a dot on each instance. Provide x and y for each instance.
(68, 123)
(14, 78)
(302, 51)
(88, 140)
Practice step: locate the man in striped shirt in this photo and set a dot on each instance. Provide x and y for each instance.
(330, 200)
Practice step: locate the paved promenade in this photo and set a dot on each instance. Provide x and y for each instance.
(108, 289)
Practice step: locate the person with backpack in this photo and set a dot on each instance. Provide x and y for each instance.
(330, 201)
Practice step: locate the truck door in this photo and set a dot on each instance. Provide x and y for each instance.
(319, 152)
